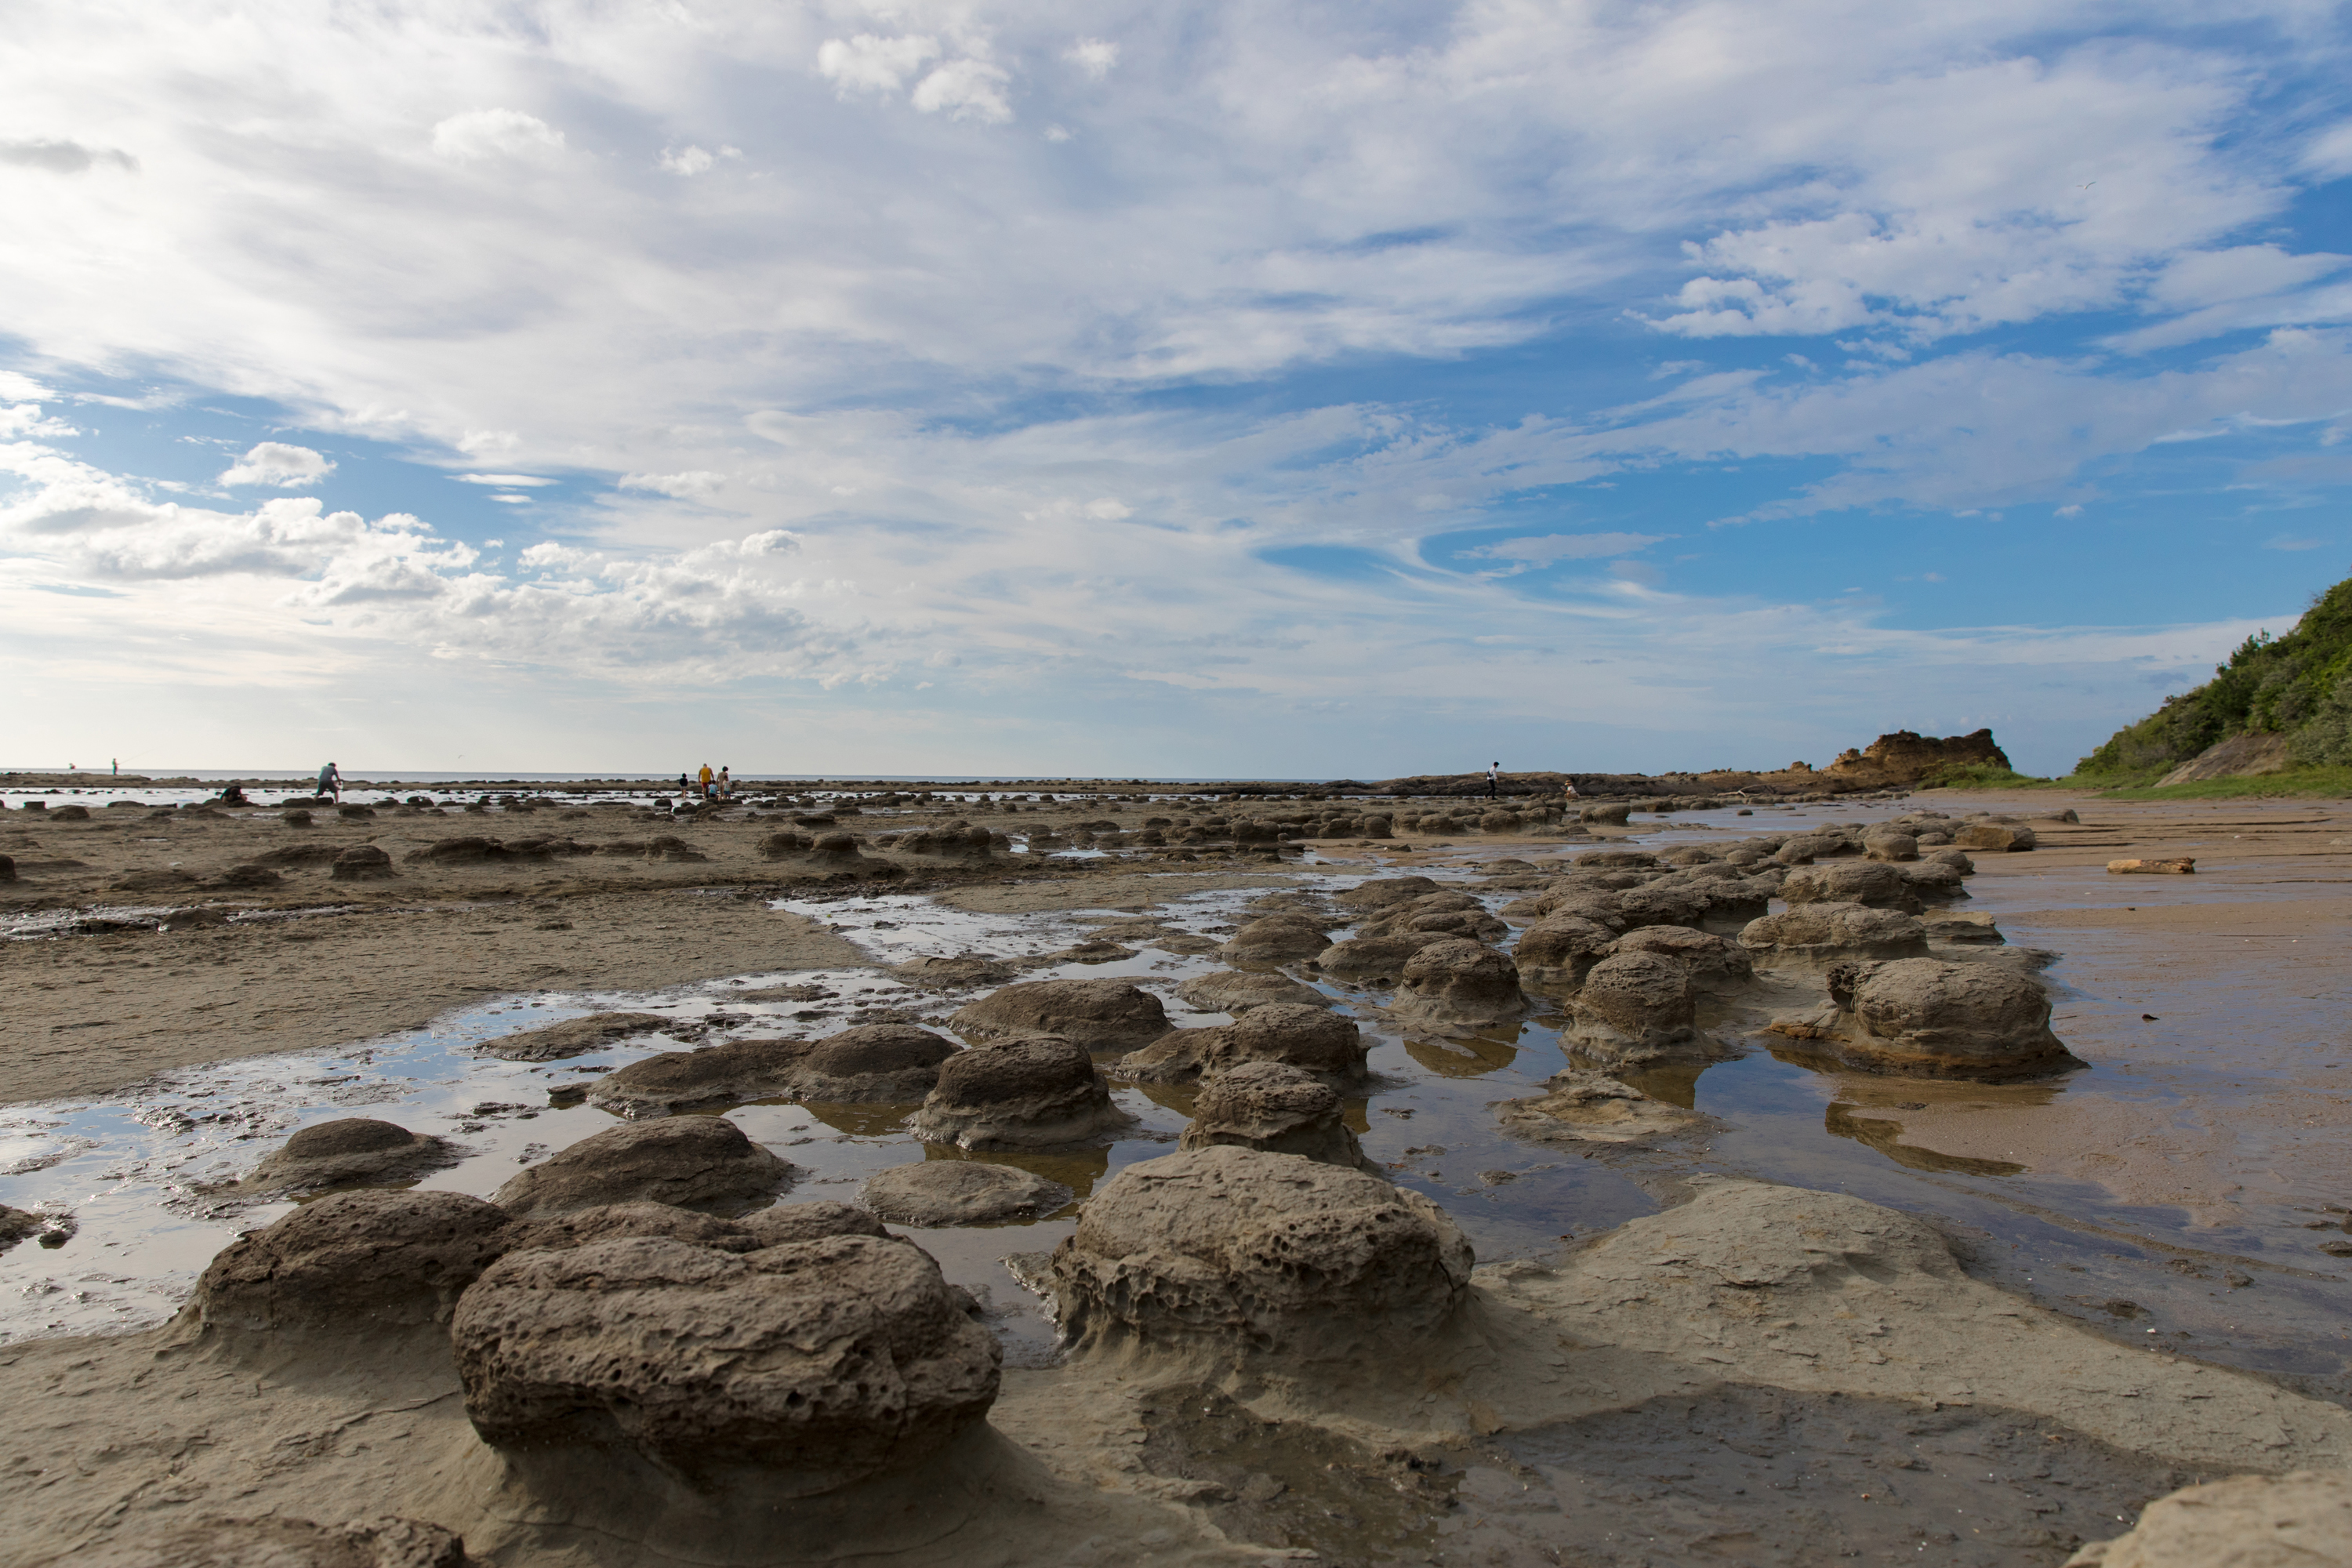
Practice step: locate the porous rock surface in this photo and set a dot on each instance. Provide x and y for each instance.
(1314, 1039)
(1276, 939)
(1716, 965)
(1099, 1015)
(1240, 1250)
(821, 1363)
(1280, 1109)
(351, 1262)
(808, 1221)
(1923, 1016)
(964, 970)
(1868, 882)
(362, 863)
(1635, 1008)
(610, 1222)
(349, 1149)
(1375, 960)
(1231, 991)
(1033, 1091)
(689, 1162)
(575, 1036)
(889, 1064)
(730, 1071)
(1581, 1106)
(1459, 984)
(1382, 892)
(960, 1192)
(1817, 935)
(1557, 952)
(2298, 1520)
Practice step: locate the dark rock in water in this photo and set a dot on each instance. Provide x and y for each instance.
(818, 1362)
(964, 970)
(1311, 1038)
(1276, 939)
(731, 1070)
(250, 877)
(1636, 1009)
(575, 1036)
(7, 867)
(1936, 881)
(1817, 935)
(353, 1148)
(353, 1262)
(690, 1162)
(1867, 882)
(1373, 961)
(15, 1224)
(1029, 1092)
(1557, 952)
(1715, 965)
(1458, 984)
(1100, 1015)
(354, 812)
(966, 846)
(296, 819)
(1280, 1109)
(1383, 891)
(960, 1192)
(299, 855)
(362, 863)
(1240, 1250)
(809, 1222)
(1924, 1017)
(889, 1064)
(70, 814)
(1227, 991)
(276, 1542)
(157, 881)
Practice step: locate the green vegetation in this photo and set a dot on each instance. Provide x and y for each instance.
(1983, 775)
(2299, 686)
(2333, 781)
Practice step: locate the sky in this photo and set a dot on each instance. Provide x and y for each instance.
(1271, 389)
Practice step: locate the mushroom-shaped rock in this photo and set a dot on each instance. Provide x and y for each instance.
(1923, 1017)
(891, 1064)
(1557, 952)
(1099, 1015)
(2246, 1522)
(1457, 984)
(731, 1070)
(575, 1036)
(1636, 1008)
(1240, 1250)
(1030, 1092)
(351, 1149)
(690, 1162)
(808, 1221)
(1383, 891)
(1231, 991)
(818, 1362)
(1447, 919)
(1662, 905)
(362, 863)
(1314, 1039)
(1276, 939)
(2001, 836)
(1579, 1105)
(275, 1541)
(1716, 965)
(1935, 880)
(611, 1222)
(962, 972)
(1280, 1109)
(1815, 936)
(961, 846)
(1375, 960)
(353, 1262)
(1886, 844)
(1870, 882)
(960, 1192)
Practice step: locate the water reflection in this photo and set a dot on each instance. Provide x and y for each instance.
(1077, 1169)
(1675, 1085)
(1884, 1136)
(1464, 1056)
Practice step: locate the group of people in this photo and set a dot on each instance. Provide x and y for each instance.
(708, 784)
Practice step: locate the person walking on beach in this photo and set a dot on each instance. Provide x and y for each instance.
(726, 782)
(1494, 780)
(331, 781)
(705, 778)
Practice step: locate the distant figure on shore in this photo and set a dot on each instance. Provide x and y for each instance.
(725, 780)
(1570, 789)
(331, 781)
(682, 783)
(1494, 781)
(232, 794)
(115, 767)
(708, 780)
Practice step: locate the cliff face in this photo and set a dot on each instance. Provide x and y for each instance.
(2296, 688)
(1905, 757)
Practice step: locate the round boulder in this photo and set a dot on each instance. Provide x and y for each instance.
(1815, 936)
(715, 1075)
(1457, 984)
(1716, 965)
(960, 1192)
(689, 1162)
(1235, 1249)
(1375, 960)
(1280, 1109)
(362, 863)
(1637, 1008)
(818, 1362)
(889, 1064)
(1313, 1039)
(1557, 952)
(1923, 1017)
(1032, 1092)
(1231, 991)
(1383, 891)
(351, 1150)
(575, 1036)
(1873, 883)
(1276, 939)
(809, 1222)
(1099, 1014)
(353, 1262)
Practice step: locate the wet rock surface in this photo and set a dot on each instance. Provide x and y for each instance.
(1099, 1015)
(575, 1036)
(1636, 1008)
(352, 1263)
(1030, 1092)
(1231, 991)
(1239, 1250)
(714, 1075)
(1580, 1106)
(1276, 939)
(351, 1150)
(894, 1064)
(1458, 984)
(960, 1192)
(1817, 935)
(1313, 1039)
(1557, 952)
(1985, 1021)
(1280, 1109)
(821, 1363)
(689, 1162)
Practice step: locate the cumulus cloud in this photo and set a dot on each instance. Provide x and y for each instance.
(62, 157)
(968, 89)
(690, 161)
(485, 133)
(1093, 56)
(869, 63)
(280, 464)
(690, 486)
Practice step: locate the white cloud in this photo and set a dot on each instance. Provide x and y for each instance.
(1093, 56)
(1551, 547)
(17, 387)
(868, 63)
(484, 134)
(1107, 509)
(969, 89)
(280, 464)
(688, 161)
(2330, 152)
(61, 157)
(690, 486)
(503, 481)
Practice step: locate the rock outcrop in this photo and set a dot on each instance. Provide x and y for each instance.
(1280, 1109)
(2248, 1522)
(892, 1064)
(1638, 1009)
(960, 1192)
(1099, 1015)
(1276, 939)
(1313, 1039)
(352, 1263)
(348, 1150)
(1459, 986)
(687, 1161)
(715, 1075)
(1816, 936)
(1579, 1105)
(1034, 1091)
(362, 863)
(1231, 991)
(575, 1036)
(1933, 1019)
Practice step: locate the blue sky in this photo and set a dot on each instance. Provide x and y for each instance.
(1293, 390)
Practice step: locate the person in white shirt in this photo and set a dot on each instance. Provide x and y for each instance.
(1494, 781)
